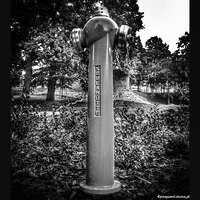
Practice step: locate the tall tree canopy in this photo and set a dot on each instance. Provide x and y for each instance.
(156, 49)
(33, 20)
(181, 65)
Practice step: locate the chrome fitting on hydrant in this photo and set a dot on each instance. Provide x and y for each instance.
(123, 37)
(77, 39)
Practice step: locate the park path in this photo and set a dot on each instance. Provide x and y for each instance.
(135, 99)
(145, 101)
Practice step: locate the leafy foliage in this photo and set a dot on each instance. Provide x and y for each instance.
(156, 48)
(36, 28)
(149, 133)
(181, 67)
(156, 67)
(48, 146)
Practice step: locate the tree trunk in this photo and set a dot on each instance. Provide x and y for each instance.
(138, 86)
(168, 98)
(51, 89)
(27, 78)
(51, 86)
(168, 94)
(152, 88)
(162, 89)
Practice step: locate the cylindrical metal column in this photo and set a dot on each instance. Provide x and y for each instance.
(100, 35)
(100, 129)
(100, 143)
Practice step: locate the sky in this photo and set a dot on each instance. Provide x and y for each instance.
(167, 19)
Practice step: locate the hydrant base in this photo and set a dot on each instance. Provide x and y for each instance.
(110, 189)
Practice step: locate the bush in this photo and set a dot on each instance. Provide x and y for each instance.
(51, 145)
(146, 137)
(48, 147)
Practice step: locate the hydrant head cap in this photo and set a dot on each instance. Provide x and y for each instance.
(101, 11)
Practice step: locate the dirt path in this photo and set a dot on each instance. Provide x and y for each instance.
(133, 98)
(146, 100)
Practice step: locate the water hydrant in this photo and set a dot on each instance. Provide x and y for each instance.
(100, 35)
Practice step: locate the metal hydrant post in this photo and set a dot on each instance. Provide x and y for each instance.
(100, 35)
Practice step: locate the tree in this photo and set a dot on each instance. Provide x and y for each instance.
(139, 71)
(54, 51)
(156, 50)
(27, 79)
(32, 19)
(129, 66)
(125, 13)
(60, 14)
(181, 66)
(165, 77)
(26, 16)
(181, 58)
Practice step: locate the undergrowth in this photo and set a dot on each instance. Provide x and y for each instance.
(48, 152)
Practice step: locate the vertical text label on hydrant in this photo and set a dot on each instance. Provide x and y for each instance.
(97, 90)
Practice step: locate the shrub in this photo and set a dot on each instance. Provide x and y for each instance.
(143, 138)
(52, 144)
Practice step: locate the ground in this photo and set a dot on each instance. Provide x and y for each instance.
(133, 98)
(171, 177)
